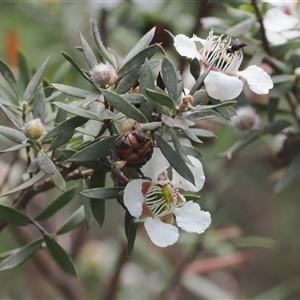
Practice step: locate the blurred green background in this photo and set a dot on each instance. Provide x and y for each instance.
(251, 250)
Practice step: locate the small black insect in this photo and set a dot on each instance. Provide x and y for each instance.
(236, 46)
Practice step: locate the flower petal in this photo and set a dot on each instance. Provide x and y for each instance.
(161, 234)
(181, 183)
(186, 47)
(133, 197)
(191, 218)
(258, 80)
(156, 165)
(222, 86)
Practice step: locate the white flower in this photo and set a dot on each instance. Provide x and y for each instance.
(223, 82)
(280, 27)
(158, 200)
(246, 120)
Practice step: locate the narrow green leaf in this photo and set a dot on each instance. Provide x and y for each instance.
(8, 76)
(71, 91)
(14, 148)
(134, 98)
(87, 208)
(45, 163)
(272, 108)
(202, 132)
(77, 111)
(161, 98)
(35, 178)
(276, 126)
(61, 257)
(21, 255)
(168, 121)
(98, 207)
(90, 99)
(58, 180)
(61, 139)
(290, 174)
(103, 193)
(140, 45)
(199, 96)
(178, 147)
(39, 104)
(169, 77)
(123, 106)
(130, 231)
(35, 81)
(73, 221)
(195, 68)
(13, 134)
(181, 123)
(224, 112)
(175, 161)
(65, 126)
(23, 68)
(191, 136)
(57, 204)
(138, 60)
(128, 81)
(13, 216)
(96, 151)
(34, 166)
(88, 52)
(16, 121)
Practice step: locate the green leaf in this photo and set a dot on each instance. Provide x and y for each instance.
(67, 125)
(9, 76)
(12, 134)
(272, 108)
(224, 112)
(276, 126)
(123, 106)
(14, 148)
(100, 46)
(61, 257)
(290, 174)
(140, 45)
(130, 231)
(34, 166)
(88, 52)
(58, 180)
(57, 204)
(134, 98)
(23, 68)
(138, 60)
(202, 132)
(35, 81)
(98, 207)
(39, 104)
(191, 135)
(175, 161)
(61, 139)
(71, 91)
(45, 163)
(73, 221)
(128, 81)
(88, 212)
(103, 193)
(21, 255)
(98, 150)
(195, 68)
(13, 216)
(199, 96)
(178, 147)
(90, 99)
(35, 178)
(169, 77)
(181, 123)
(161, 98)
(16, 121)
(77, 111)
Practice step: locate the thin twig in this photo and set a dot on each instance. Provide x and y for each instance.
(42, 230)
(294, 106)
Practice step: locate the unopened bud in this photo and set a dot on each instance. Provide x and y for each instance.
(102, 74)
(34, 129)
(246, 119)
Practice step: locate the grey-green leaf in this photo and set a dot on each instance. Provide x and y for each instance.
(123, 106)
(13, 216)
(88, 52)
(175, 161)
(9, 76)
(12, 134)
(169, 77)
(130, 231)
(39, 104)
(45, 163)
(14, 119)
(103, 193)
(73, 221)
(61, 257)
(58, 180)
(71, 91)
(14, 148)
(21, 255)
(161, 98)
(276, 126)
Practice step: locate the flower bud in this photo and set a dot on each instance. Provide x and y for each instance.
(102, 74)
(246, 119)
(33, 129)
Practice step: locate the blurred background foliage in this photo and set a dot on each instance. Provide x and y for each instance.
(251, 251)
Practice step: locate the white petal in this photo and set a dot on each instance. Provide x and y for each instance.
(191, 218)
(133, 197)
(181, 183)
(291, 34)
(186, 47)
(277, 21)
(156, 165)
(161, 234)
(258, 80)
(275, 38)
(222, 86)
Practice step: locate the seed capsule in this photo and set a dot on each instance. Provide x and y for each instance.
(135, 147)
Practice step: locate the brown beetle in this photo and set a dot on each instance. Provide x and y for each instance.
(135, 147)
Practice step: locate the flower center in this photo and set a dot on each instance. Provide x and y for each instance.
(161, 198)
